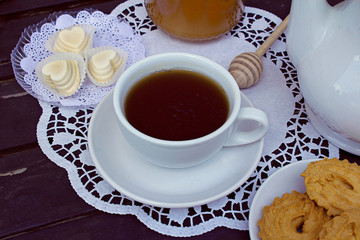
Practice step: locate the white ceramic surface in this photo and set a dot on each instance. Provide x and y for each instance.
(121, 166)
(284, 180)
(333, 137)
(179, 154)
(323, 43)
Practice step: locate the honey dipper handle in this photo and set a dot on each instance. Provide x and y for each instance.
(273, 37)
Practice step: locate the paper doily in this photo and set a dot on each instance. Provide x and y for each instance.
(30, 50)
(62, 131)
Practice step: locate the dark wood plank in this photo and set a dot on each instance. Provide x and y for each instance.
(38, 201)
(16, 6)
(349, 156)
(106, 226)
(35, 192)
(20, 115)
(6, 71)
(280, 8)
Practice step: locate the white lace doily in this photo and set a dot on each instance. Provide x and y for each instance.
(30, 50)
(62, 131)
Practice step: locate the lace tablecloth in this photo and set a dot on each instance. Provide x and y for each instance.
(62, 131)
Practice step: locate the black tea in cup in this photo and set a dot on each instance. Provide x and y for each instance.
(176, 105)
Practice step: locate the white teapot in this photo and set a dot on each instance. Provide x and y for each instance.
(323, 42)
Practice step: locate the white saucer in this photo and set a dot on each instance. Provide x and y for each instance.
(122, 167)
(284, 180)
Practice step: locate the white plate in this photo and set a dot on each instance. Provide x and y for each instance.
(122, 167)
(284, 180)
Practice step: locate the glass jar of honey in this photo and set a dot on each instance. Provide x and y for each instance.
(195, 19)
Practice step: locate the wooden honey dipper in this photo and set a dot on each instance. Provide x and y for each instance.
(247, 67)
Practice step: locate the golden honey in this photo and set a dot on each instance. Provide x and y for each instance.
(195, 19)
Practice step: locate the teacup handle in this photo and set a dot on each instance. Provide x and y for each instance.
(240, 137)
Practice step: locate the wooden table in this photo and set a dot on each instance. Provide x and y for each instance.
(36, 198)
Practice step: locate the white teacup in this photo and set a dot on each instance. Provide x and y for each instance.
(179, 154)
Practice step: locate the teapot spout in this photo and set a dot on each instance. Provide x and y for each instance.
(307, 26)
